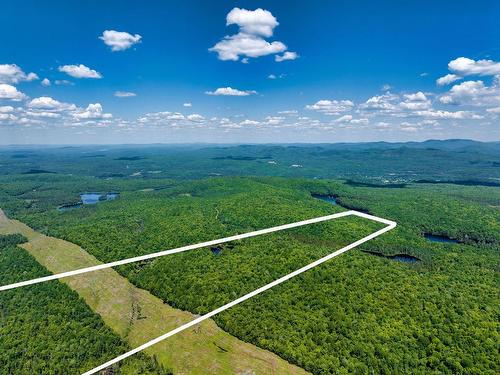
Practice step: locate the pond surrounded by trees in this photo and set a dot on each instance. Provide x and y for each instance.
(440, 239)
(89, 198)
(93, 198)
(327, 198)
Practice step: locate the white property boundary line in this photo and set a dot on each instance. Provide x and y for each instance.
(390, 225)
(192, 247)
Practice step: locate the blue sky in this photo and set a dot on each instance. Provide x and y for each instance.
(316, 71)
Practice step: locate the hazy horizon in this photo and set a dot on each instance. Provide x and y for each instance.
(242, 144)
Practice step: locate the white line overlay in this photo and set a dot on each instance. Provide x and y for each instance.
(390, 225)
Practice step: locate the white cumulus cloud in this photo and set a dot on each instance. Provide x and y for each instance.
(416, 97)
(248, 122)
(465, 67)
(7, 117)
(11, 73)
(447, 79)
(362, 121)
(438, 114)
(385, 102)
(254, 27)
(6, 109)
(9, 92)
(119, 40)
(93, 111)
(274, 120)
(232, 47)
(257, 22)
(229, 91)
(80, 71)
(286, 56)
(345, 118)
(472, 93)
(48, 103)
(416, 101)
(174, 116)
(331, 107)
(195, 117)
(44, 114)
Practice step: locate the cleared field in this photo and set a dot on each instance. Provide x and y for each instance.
(137, 316)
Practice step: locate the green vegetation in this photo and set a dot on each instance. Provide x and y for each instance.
(378, 162)
(137, 316)
(48, 329)
(359, 313)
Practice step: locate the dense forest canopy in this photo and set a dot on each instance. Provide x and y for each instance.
(359, 313)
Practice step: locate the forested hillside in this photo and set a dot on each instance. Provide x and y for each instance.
(356, 313)
(48, 329)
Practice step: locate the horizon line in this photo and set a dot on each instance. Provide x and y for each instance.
(241, 143)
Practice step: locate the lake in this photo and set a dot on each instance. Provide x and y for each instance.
(89, 198)
(93, 198)
(327, 198)
(441, 239)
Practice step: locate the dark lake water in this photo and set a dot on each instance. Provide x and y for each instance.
(327, 198)
(216, 250)
(441, 239)
(89, 198)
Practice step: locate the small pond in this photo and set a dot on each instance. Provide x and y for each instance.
(327, 198)
(216, 250)
(441, 239)
(89, 198)
(333, 199)
(93, 198)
